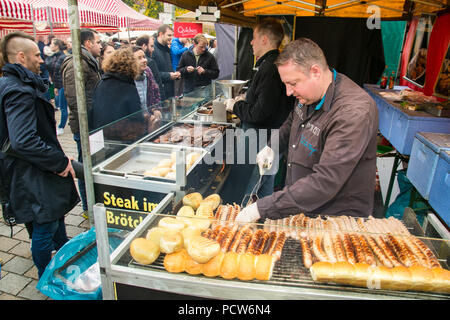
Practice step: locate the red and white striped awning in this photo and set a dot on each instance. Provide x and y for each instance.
(15, 10)
(128, 17)
(56, 11)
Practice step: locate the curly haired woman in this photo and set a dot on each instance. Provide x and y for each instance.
(116, 97)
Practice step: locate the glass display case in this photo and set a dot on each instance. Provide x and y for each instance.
(293, 258)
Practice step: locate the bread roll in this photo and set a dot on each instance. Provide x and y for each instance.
(422, 278)
(171, 242)
(201, 223)
(213, 200)
(175, 262)
(167, 163)
(171, 175)
(189, 233)
(360, 275)
(379, 277)
(264, 266)
(229, 267)
(173, 157)
(205, 210)
(322, 271)
(246, 268)
(343, 272)
(191, 266)
(152, 173)
(185, 211)
(441, 280)
(212, 267)
(154, 234)
(193, 200)
(401, 279)
(144, 251)
(192, 157)
(202, 249)
(171, 224)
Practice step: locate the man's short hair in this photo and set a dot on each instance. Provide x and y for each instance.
(200, 38)
(87, 34)
(163, 29)
(303, 52)
(144, 39)
(5, 50)
(271, 28)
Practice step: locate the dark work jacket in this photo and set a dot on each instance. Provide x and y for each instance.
(193, 79)
(266, 105)
(114, 98)
(161, 55)
(37, 193)
(331, 156)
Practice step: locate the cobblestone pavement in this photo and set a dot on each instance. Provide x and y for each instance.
(19, 277)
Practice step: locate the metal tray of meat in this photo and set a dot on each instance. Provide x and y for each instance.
(191, 134)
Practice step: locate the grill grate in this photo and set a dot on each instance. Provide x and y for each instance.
(289, 271)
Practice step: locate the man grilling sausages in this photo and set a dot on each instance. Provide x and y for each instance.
(331, 141)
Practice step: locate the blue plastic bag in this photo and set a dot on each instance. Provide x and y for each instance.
(78, 279)
(397, 208)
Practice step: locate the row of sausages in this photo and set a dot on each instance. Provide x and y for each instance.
(373, 241)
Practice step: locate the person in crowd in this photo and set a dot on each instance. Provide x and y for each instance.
(105, 51)
(177, 48)
(116, 97)
(90, 51)
(213, 48)
(331, 138)
(161, 55)
(147, 43)
(44, 72)
(133, 41)
(39, 176)
(148, 90)
(53, 64)
(265, 105)
(197, 66)
(145, 82)
(68, 44)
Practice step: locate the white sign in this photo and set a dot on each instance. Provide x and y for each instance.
(96, 141)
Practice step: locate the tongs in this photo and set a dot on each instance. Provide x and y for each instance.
(253, 196)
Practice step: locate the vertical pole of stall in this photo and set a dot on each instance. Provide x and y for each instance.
(50, 19)
(34, 25)
(128, 28)
(236, 35)
(74, 23)
(104, 260)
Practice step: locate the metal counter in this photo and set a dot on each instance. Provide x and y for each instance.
(290, 280)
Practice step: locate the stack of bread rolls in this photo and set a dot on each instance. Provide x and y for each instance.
(227, 249)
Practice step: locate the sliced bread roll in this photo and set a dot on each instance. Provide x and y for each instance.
(144, 251)
(202, 249)
(193, 200)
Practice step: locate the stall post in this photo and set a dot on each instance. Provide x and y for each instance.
(74, 23)
(104, 262)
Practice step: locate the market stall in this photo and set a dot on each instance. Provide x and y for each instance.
(297, 269)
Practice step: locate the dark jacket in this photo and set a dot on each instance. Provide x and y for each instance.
(37, 193)
(114, 98)
(161, 55)
(91, 77)
(53, 64)
(331, 156)
(152, 65)
(266, 105)
(193, 79)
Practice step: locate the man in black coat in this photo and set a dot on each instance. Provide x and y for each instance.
(198, 66)
(39, 176)
(163, 60)
(265, 105)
